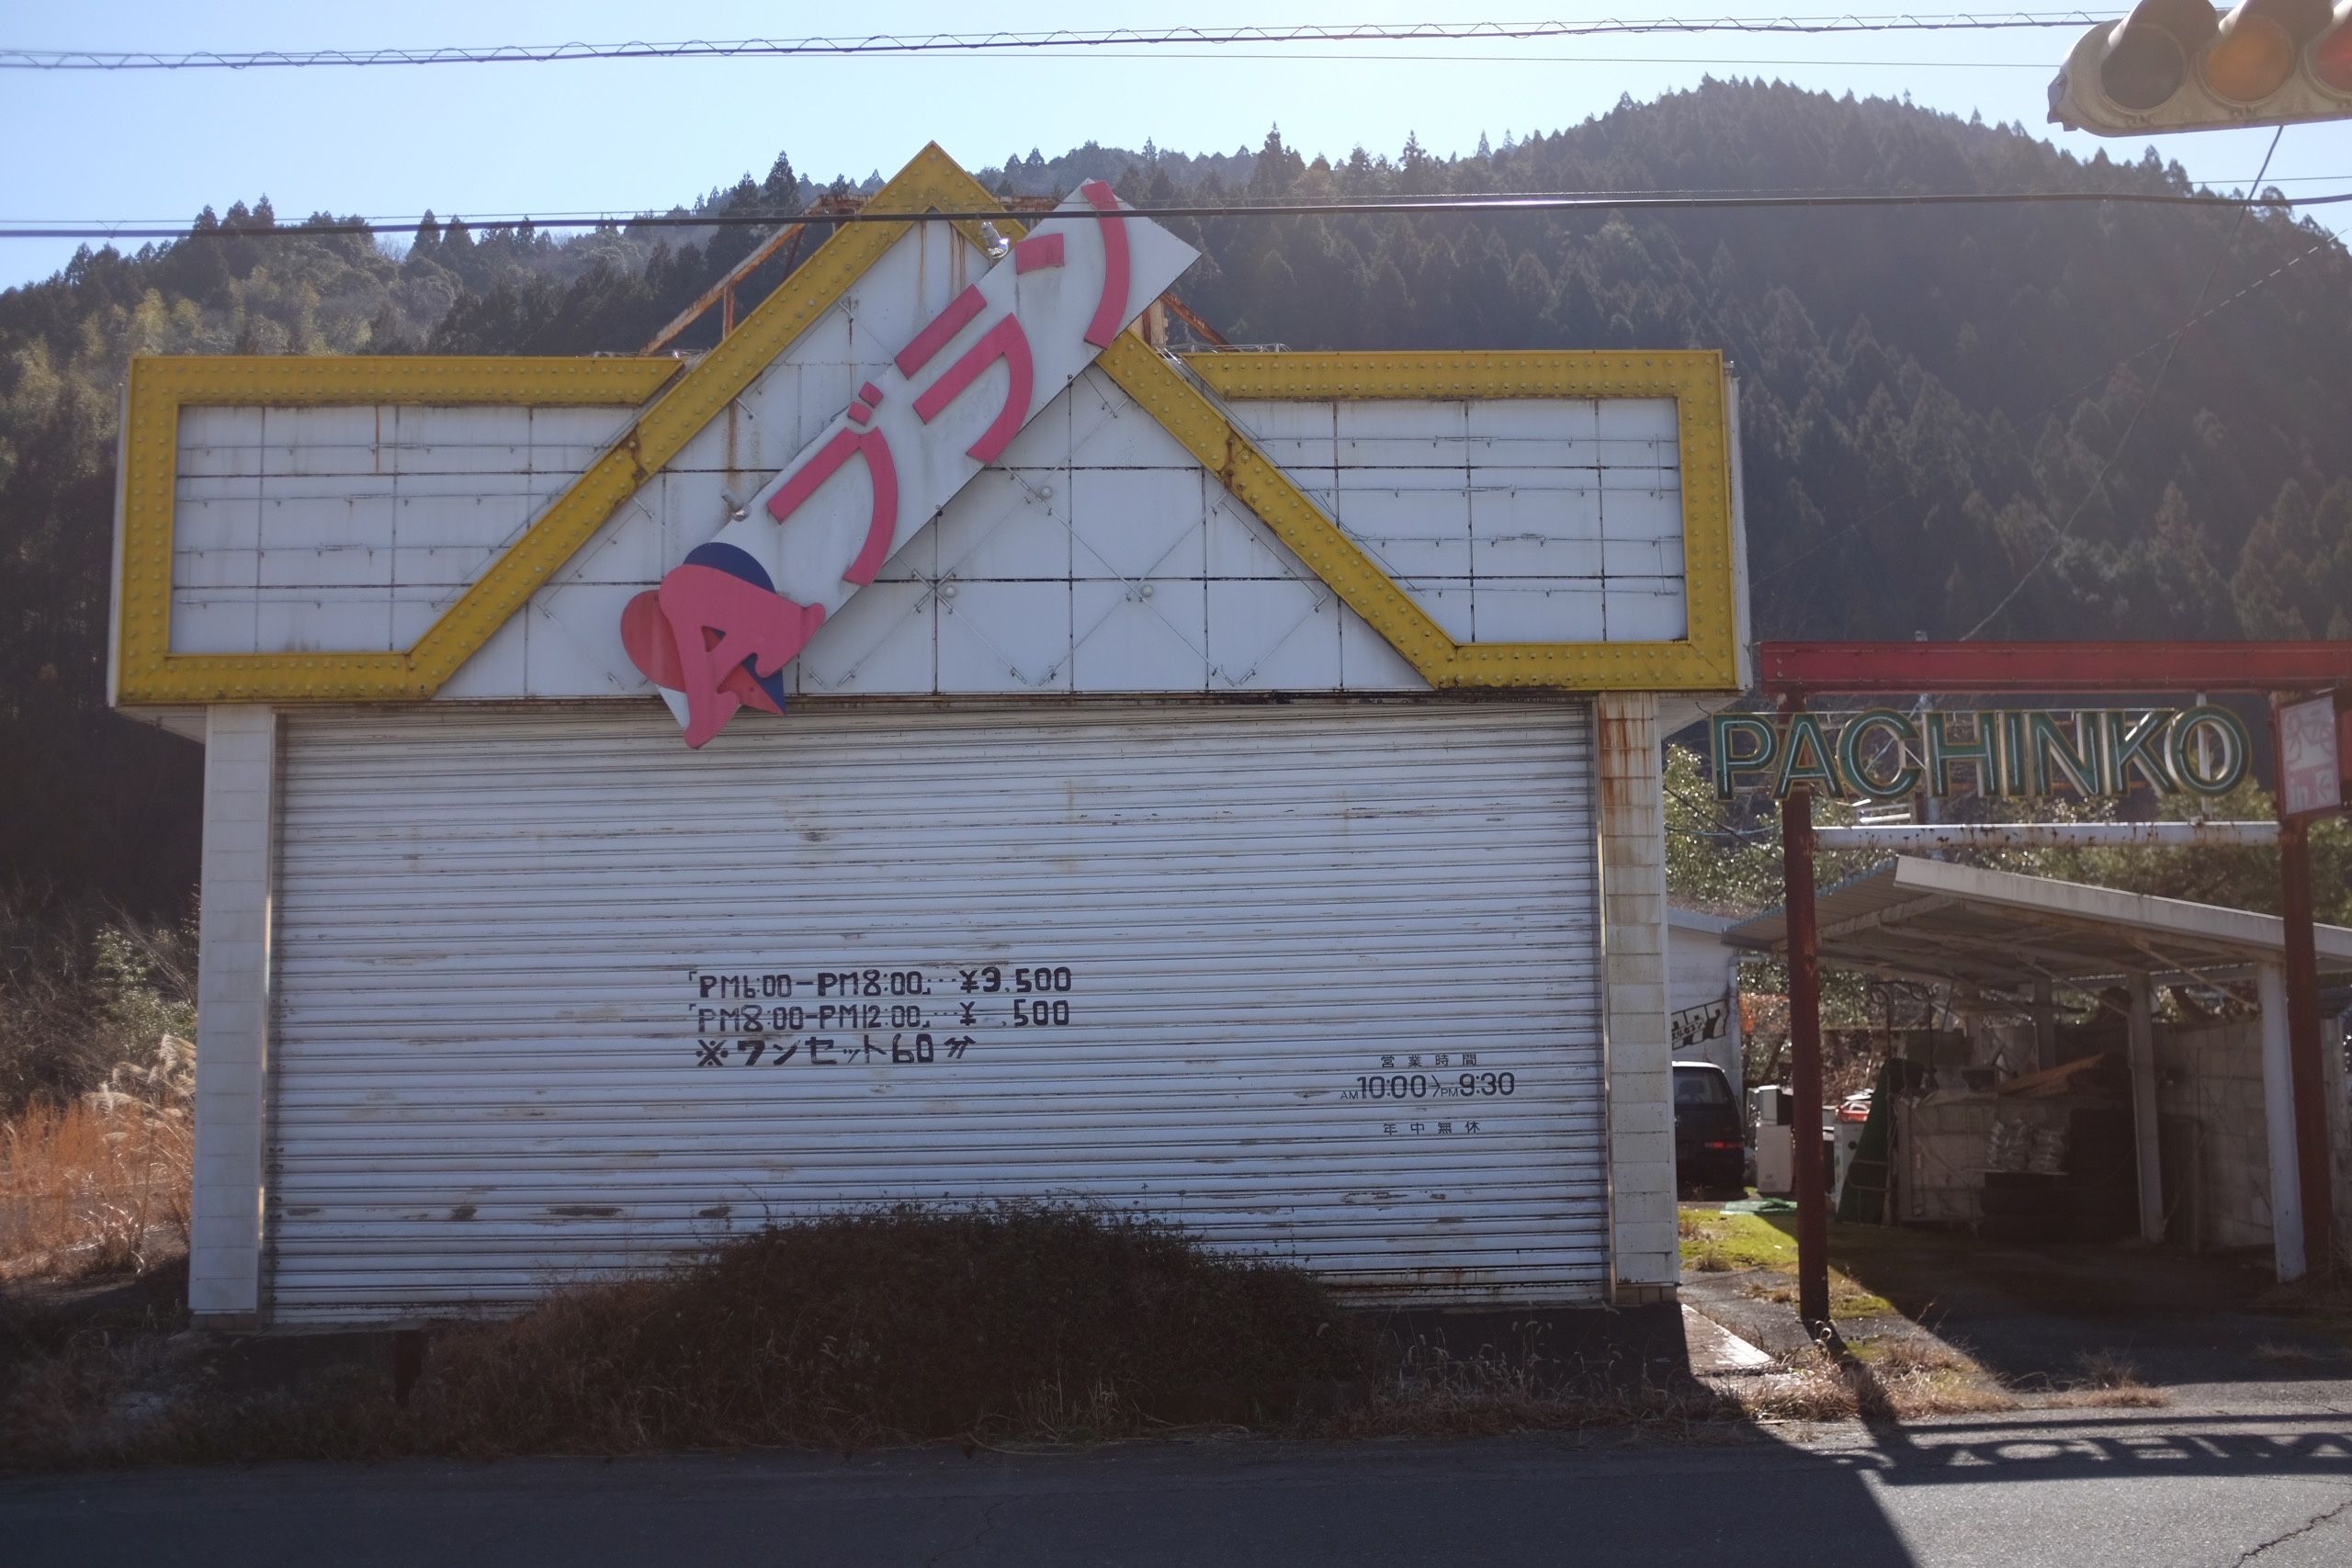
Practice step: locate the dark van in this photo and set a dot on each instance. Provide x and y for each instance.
(1709, 1148)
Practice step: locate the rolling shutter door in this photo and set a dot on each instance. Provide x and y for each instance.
(556, 995)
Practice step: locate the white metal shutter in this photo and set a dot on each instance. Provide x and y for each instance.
(1272, 945)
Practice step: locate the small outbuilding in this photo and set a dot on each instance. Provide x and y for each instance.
(2211, 1144)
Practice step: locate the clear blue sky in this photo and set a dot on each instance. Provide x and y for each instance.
(634, 135)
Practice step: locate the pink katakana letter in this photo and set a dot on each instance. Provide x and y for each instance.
(1110, 311)
(882, 523)
(1036, 253)
(750, 622)
(945, 325)
(1005, 340)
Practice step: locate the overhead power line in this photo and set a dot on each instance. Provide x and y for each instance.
(1000, 42)
(1498, 205)
(389, 221)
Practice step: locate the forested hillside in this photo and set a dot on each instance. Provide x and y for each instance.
(1930, 396)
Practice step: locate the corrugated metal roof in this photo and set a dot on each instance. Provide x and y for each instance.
(2000, 929)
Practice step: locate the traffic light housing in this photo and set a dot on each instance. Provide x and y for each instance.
(2182, 65)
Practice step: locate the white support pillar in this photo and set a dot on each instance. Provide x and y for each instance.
(2278, 1124)
(232, 1014)
(1645, 1254)
(2140, 1052)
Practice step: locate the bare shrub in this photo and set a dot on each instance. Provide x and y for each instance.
(997, 1323)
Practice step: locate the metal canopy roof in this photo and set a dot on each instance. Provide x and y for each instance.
(1999, 930)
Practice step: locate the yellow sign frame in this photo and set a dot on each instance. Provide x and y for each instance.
(677, 404)
(1707, 658)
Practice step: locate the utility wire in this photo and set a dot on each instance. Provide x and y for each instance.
(1491, 205)
(969, 44)
(389, 221)
(489, 219)
(2099, 481)
(1759, 63)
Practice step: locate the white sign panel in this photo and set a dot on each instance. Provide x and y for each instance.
(2307, 779)
(714, 635)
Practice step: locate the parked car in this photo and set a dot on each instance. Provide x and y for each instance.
(1709, 1147)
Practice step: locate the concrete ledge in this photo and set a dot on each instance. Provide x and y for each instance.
(1627, 1294)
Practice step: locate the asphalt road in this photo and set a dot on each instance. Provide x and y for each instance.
(2091, 1489)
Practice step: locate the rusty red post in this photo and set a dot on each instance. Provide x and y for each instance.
(1804, 1058)
(2303, 1044)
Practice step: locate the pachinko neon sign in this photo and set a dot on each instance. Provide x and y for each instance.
(1886, 754)
(715, 637)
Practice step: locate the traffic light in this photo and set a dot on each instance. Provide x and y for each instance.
(2181, 65)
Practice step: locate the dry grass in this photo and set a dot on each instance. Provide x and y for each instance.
(1901, 1378)
(1051, 1321)
(100, 1183)
(2107, 1380)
